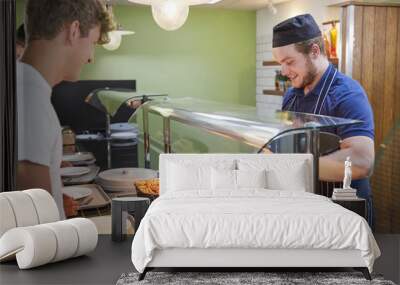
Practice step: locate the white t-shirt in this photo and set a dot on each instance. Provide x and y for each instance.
(39, 130)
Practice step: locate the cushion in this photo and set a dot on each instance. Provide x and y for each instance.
(23, 208)
(26, 208)
(45, 205)
(186, 177)
(293, 180)
(31, 246)
(281, 174)
(223, 179)
(7, 218)
(87, 235)
(67, 240)
(251, 178)
(40, 244)
(34, 244)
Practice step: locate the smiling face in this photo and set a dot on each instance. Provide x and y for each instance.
(298, 67)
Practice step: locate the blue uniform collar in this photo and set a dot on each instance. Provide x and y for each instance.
(317, 89)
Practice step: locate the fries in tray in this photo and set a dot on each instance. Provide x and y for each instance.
(148, 186)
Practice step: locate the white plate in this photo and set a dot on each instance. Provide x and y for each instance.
(78, 156)
(124, 127)
(86, 137)
(124, 136)
(83, 162)
(74, 171)
(125, 176)
(76, 192)
(119, 189)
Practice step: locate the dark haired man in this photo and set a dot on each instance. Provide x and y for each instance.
(61, 36)
(319, 88)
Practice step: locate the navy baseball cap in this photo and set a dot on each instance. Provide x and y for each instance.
(294, 30)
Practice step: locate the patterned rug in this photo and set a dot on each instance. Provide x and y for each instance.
(253, 278)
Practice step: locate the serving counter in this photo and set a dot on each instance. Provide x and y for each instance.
(283, 132)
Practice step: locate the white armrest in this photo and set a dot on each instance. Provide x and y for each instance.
(67, 239)
(46, 207)
(87, 235)
(22, 207)
(7, 218)
(33, 246)
(40, 244)
(26, 208)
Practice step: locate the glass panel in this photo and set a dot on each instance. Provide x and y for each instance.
(110, 100)
(239, 121)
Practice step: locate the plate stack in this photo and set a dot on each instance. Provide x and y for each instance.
(124, 127)
(344, 194)
(89, 137)
(80, 158)
(77, 192)
(123, 179)
(74, 171)
(124, 134)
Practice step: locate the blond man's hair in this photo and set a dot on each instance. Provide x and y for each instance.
(45, 19)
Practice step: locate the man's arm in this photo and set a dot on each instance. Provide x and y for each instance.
(361, 151)
(33, 175)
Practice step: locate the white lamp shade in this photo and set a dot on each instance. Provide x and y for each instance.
(170, 14)
(115, 41)
(189, 2)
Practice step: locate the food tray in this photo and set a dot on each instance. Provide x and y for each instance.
(98, 198)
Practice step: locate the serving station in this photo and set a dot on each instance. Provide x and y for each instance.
(279, 132)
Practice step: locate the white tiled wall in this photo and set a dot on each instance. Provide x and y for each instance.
(265, 76)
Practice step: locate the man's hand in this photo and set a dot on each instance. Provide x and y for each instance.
(266, 150)
(32, 175)
(134, 104)
(66, 164)
(70, 206)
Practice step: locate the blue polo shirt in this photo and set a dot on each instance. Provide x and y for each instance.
(346, 99)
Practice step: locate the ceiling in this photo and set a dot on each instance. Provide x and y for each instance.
(230, 4)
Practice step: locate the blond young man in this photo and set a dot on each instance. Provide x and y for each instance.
(61, 38)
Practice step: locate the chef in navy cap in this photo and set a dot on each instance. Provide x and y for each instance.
(319, 88)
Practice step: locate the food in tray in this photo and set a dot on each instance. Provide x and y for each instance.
(148, 186)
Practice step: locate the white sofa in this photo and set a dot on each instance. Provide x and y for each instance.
(264, 209)
(31, 231)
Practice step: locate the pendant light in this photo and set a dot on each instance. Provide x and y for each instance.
(116, 35)
(272, 7)
(171, 14)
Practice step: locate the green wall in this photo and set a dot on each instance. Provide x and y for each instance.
(212, 56)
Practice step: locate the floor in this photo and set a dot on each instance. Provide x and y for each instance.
(111, 259)
(103, 266)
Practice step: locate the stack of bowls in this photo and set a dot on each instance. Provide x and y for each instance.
(124, 127)
(79, 158)
(124, 134)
